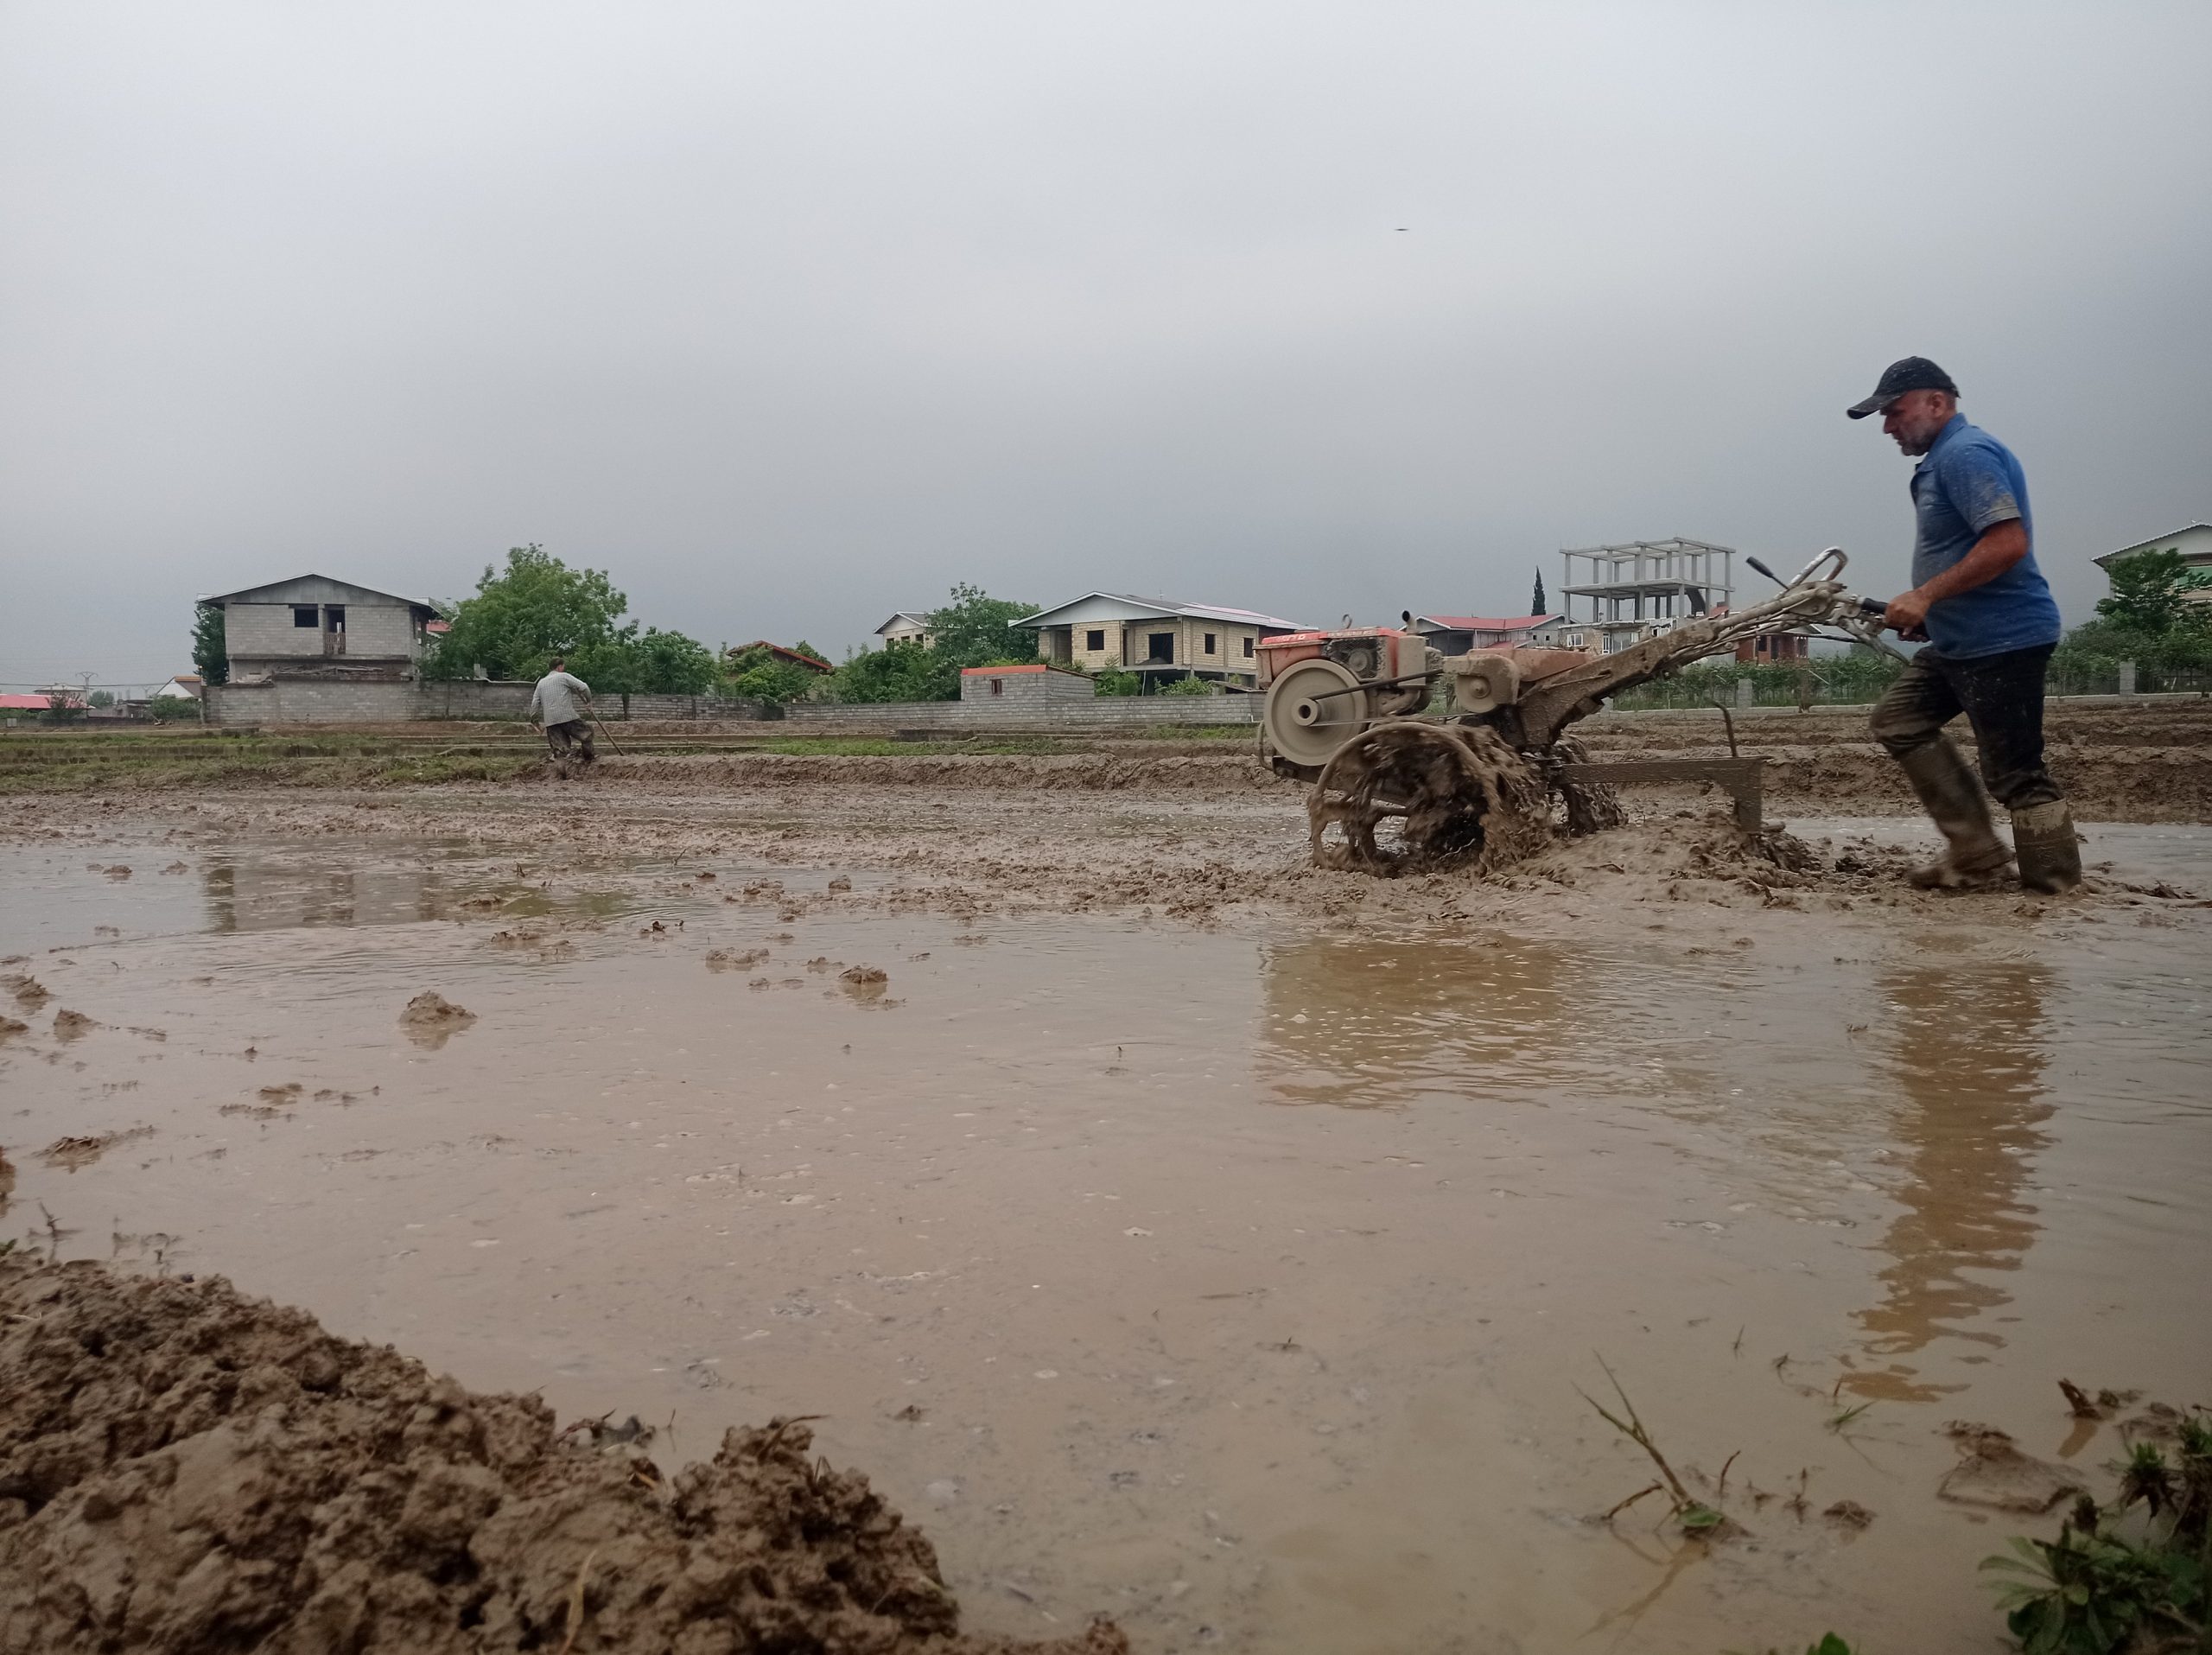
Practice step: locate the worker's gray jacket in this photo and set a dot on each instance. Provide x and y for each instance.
(560, 698)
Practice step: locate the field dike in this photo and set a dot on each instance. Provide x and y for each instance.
(183, 1469)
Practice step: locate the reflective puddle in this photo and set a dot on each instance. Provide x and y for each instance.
(1237, 1283)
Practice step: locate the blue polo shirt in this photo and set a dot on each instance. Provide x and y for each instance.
(1964, 486)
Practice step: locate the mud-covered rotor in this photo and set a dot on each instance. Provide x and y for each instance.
(1411, 795)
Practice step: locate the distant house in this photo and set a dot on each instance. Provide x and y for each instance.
(316, 628)
(1774, 647)
(1158, 638)
(905, 628)
(188, 686)
(2193, 541)
(21, 703)
(1458, 634)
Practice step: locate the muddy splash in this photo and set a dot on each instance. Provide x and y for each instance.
(183, 1469)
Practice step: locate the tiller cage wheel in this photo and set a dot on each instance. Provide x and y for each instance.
(1410, 796)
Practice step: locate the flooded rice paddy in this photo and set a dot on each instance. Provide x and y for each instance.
(1238, 1282)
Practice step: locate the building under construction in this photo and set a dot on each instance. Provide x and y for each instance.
(1643, 588)
(1639, 589)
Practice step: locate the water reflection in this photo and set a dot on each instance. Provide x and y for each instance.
(269, 896)
(1375, 1023)
(1970, 1053)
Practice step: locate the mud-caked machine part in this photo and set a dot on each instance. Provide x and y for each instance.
(1395, 791)
(1416, 795)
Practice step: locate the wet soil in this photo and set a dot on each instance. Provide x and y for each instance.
(1189, 1235)
(185, 1469)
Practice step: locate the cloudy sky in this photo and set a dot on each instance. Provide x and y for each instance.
(792, 315)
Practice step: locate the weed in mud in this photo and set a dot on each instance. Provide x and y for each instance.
(1829, 1645)
(1836, 1423)
(2120, 1580)
(1695, 1517)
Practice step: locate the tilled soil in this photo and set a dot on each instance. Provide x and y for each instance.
(186, 1469)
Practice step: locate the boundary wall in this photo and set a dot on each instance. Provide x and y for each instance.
(1103, 712)
(311, 701)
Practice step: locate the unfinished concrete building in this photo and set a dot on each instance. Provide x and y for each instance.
(1627, 593)
(313, 627)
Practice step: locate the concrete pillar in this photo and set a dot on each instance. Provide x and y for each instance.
(2127, 677)
(1742, 693)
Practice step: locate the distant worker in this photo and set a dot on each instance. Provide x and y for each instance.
(559, 702)
(1990, 625)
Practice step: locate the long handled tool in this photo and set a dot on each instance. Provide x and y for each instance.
(610, 740)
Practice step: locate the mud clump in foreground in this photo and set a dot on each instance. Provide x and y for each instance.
(183, 1469)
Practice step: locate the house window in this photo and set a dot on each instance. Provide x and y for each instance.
(1248, 649)
(1209, 643)
(306, 614)
(1159, 645)
(336, 615)
(1095, 640)
(998, 686)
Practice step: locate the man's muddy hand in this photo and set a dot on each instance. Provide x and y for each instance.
(1907, 616)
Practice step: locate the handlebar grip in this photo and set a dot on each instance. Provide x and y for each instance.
(1873, 607)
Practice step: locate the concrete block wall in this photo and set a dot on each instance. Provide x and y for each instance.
(379, 629)
(320, 701)
(316, 701)
(335, 701)
(1024, 686)
(258, 631)
(1101, 713)
(613, 704)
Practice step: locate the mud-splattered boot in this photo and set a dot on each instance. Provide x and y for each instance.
(2049, 850)
(1954, 801)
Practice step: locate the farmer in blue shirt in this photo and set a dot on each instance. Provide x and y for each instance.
(1990, 624)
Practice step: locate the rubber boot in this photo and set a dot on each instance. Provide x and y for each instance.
(1955, 802)
(2049, 850)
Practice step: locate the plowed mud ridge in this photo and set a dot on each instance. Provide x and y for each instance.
(186, 1469)
(1185, 828)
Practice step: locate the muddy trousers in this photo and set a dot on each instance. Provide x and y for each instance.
(2002, 698)
(573, 734)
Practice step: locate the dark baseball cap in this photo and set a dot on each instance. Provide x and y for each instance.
(1909, 373)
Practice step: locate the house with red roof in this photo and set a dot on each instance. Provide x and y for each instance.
(1457, 634)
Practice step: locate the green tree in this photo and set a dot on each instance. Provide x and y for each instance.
(65, 704)
(101, 698)
(898, 673)
(525, 614)
(211, 654)
(975, 630)
(1190, 686)
(756, 673)
(537, 607)
(2151, 595)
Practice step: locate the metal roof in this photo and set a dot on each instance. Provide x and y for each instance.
(1488, 623)
(1168, 607)
(2111, 558)
(247, 592)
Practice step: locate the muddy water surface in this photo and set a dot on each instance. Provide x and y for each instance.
(1235, 1281)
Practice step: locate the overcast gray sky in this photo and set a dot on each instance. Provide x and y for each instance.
(792, 315)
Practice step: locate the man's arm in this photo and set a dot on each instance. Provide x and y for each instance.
(2005, 544)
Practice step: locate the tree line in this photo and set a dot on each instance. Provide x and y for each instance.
(537, 607)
